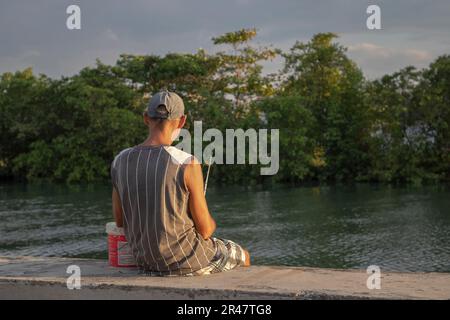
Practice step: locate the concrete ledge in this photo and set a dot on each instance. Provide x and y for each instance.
(45, 278)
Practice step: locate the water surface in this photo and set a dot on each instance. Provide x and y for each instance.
(396, 228)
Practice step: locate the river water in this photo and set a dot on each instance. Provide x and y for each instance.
(396, 228)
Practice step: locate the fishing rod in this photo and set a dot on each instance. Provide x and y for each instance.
(207, 174)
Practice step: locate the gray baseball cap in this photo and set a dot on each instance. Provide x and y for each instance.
(165, 105)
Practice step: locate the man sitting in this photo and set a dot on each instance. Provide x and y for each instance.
(158, 198)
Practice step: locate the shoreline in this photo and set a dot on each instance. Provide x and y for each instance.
(46, 278)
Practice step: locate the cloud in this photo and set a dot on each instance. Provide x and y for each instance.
(414, 31)
(370, 49)
(380, 52)
(379, 60)
(418, 55)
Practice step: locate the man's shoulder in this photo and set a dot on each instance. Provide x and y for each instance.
(121, 153)
(178, 156)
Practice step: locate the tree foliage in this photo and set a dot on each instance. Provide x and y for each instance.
(334, 124)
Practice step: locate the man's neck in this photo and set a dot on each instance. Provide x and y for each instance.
(157, 139)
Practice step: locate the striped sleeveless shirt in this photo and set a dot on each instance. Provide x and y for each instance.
(157, 222)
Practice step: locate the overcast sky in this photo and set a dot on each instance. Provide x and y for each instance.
(34, 33)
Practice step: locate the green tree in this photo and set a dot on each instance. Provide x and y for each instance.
(433, 115)
(298, 161)
(22, 106)
(79, 124)
(240, 71)
(391, 101)
(333, 123)
(331, 86)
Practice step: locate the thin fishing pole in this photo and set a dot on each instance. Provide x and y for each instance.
(207, 174)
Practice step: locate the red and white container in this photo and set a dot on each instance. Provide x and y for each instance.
(119, 252)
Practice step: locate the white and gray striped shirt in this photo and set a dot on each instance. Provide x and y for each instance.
(157, 222)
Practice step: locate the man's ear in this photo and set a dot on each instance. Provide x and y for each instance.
(182, 122)
(146, 118)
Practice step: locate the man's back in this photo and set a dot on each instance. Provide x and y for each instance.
(157, 223)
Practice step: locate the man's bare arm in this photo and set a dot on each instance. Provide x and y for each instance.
(203, 221)
(117, 208)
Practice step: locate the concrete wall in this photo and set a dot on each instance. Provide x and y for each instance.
(45, 278)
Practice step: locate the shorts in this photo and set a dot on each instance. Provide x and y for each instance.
(228, 256)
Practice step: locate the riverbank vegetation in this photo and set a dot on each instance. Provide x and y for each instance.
(335, 125)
